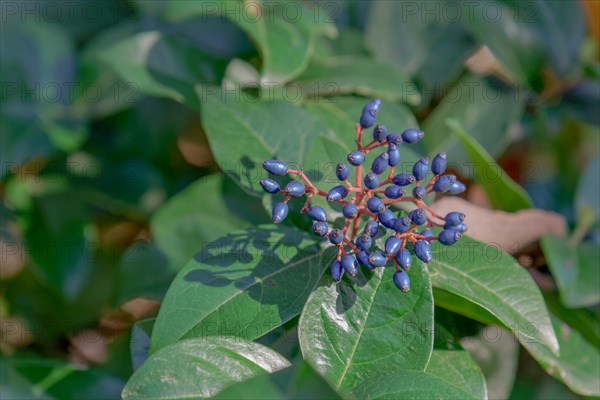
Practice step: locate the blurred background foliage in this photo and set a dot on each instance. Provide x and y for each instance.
(111, 179)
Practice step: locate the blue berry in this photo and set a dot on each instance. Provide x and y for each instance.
(394, 138)
(336, 236)
(369, 113)
(342, 172)
(371, 181)
(337, 271)
(356, 158)
(386, 218)
(380, 163)
(269, 185)
(392, 245)
(363, 259)
(337, 193)
(394, 192)
(349, 264)
(438, 164)
(317, 213)
(423, 251)
(294, 188)
(320, 228)
(457, 187)
(412, 135)
(280, 211)
(371, 228)
(380, 133)
(421, 168)
(403, 179)
(418, 216)
(364, 242)
(454, 218)
(377, 259)
(393, 155)
(419, 192)
(427, 233)
(402, 224)
(375, 205)
(350, 211)
(404, 259)
(443, 183)
(462, 228)
(402, 280)
(275, 167)
(448, 237)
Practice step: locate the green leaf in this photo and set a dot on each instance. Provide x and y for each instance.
(504, 193)
(244, 284)
(427, 46)
(352, 332)
(358, 75)
(578, 365)
(37, 378)
(200, 368)
(497, 353)
(243, 133)
(207, 209)
(162, 65)
(486, 108)
(492, 279)
(142, 272)
(575, 269)
(450, 374)
(587, 196)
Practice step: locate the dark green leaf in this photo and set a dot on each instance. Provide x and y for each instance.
(487, 109)
(199, 368)
(492, 279)
(143, 272)
(504, 193)
(204, 211)
(162, 65)
(575, 269)
(243, 133)
(244, 284)
(427, 46)
(352, 332)
(450, 374)
(358, 75)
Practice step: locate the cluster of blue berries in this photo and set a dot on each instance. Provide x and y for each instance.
(370, 197)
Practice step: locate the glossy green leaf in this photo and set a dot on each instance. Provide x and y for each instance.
(243, 133)
(358, 75)
(450, 374)
(575, 269)
(492, 279)
(577, 365)
(245, 284)
(587, 196)
(162, 65)
(504, 193)
(195, 368)
(429, 47)
(204, 211)
(354, 331)
(487, 109)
